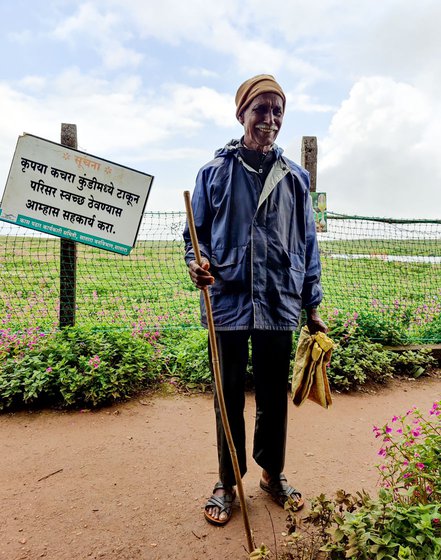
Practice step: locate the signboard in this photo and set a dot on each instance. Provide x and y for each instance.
(319, 207)
(71, 194)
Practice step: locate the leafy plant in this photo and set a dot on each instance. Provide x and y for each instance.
(75, 367)
(80, 366)
(356, 361)
(413, 363)
(384, 530)
(402, 523)
(186, 358)
(388, 327)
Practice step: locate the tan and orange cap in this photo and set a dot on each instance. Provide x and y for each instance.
(262, 83)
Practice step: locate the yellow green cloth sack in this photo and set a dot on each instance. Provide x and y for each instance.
(309, 380)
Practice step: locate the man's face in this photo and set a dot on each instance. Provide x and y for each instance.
(262, 120)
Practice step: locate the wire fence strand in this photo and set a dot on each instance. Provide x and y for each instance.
(386, 272)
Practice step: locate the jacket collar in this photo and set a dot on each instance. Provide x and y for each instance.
(232, 147)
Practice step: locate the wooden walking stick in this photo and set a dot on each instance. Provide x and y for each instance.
(217, 376)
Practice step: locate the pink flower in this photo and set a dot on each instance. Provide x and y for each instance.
(376, 431)
(382, 452)
(95, 361)
(435, 409)
(420, 466)
(395, 419)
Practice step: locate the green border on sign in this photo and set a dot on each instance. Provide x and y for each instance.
(67, 233)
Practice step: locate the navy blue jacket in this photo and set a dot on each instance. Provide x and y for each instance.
(261, 242)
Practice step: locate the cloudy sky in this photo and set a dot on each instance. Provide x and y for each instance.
(151, 85)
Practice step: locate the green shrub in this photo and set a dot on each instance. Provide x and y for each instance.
(387, 329)
(74, 367)
(383, 530)
(185, 357)
(84, 367)
(358, 361)
(413, 363)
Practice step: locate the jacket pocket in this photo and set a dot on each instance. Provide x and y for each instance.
(229, 267)
(295, 275)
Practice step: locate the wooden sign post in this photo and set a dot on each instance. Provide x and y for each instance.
(309, 159)
(68, 251)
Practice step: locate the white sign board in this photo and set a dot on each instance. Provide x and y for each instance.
(71, 194)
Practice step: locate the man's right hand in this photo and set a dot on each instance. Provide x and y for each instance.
(199, 275)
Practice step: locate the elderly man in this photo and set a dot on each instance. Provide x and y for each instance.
(261, 265)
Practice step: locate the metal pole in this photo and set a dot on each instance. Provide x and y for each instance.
(217, 377)
(68, 251)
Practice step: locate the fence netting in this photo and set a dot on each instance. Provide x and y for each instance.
(385, 273)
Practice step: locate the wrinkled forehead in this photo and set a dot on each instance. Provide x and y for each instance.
(270, 99)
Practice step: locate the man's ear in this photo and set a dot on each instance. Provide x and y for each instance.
(240, 118)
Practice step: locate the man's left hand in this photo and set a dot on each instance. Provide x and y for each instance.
(314, 322)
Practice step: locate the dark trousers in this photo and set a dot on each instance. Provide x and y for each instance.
(271, 352)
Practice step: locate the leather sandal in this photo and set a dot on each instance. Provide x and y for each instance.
(280, 491)
(224, 503)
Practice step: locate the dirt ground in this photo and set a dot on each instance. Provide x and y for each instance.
(129, 482)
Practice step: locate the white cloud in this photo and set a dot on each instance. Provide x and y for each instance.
(33, 83)
(174, 22)
(200, 72)
(304, 102)
(203, 104)
(88, 19)
(154, 80)
(234, 30)
(404, 41)
(115, 119)
(116, 56)
(379, 157)
(106, 32)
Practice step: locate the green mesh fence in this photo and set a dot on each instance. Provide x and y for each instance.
(385, 274)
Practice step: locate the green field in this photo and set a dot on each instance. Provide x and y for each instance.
(150, 289)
